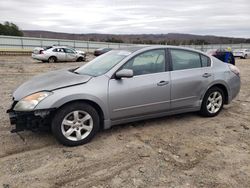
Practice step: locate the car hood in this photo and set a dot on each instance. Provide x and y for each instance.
(49, 82)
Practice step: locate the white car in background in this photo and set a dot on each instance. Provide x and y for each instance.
(58, 53)
(242, 53)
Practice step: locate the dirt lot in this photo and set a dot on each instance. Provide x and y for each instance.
(178, 151)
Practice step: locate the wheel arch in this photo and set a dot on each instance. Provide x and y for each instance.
(223, 87)
(53, 57)
(91, 103)
(79, 59)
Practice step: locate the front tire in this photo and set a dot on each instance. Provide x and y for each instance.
(213, 102)
(75, 124)
(80, 59)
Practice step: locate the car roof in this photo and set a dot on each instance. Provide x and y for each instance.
(151, 47)
(131, 48)
(61, 47)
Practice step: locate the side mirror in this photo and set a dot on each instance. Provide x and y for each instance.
(124, 73)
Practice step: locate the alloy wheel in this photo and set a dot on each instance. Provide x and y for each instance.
(77, 125)
(214, 102)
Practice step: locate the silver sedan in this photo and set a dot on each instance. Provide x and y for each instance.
(58, 53)
(123, 86)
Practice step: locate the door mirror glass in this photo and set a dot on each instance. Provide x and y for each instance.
(124, 73)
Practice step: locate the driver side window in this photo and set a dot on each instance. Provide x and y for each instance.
(68, 51)
(147, 63)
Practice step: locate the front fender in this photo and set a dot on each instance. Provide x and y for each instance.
(52, 102)
(95, 91)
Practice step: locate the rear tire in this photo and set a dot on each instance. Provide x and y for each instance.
(75, 124)
(52, 59)
(213, 102)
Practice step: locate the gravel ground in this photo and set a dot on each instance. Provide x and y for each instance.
(178, 151)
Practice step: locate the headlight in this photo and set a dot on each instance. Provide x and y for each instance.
(29, 103)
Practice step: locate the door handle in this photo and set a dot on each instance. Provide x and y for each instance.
(206, 75)
(162, 83)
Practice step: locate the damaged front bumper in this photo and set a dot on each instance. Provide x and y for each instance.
(32, 120)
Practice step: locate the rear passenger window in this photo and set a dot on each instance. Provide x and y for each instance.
(183, 59)
(58, 50)
(205, 61)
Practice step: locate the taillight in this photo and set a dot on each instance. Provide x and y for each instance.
(234, 69)
(41, 52)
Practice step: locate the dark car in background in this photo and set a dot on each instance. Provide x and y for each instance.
(101, 51)
(223, 55)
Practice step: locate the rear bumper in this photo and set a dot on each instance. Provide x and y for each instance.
(238, 55)
(235, 84)
(40, 57)
(35, 120)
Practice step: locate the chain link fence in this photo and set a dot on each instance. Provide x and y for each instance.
(11, 43)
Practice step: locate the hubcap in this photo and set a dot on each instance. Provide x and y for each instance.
(214, 102)
(77, 125)
(51, 60)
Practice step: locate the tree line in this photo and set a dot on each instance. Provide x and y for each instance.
(162, 42)
(11, 29)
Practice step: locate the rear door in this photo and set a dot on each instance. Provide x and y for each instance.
(60, 54)
(190, 76)
(147, 92)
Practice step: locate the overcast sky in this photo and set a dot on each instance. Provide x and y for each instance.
(206, 17)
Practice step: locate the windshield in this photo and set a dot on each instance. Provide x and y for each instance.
(103, 63)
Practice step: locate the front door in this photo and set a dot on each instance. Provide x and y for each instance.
(147, 92)
(70, 54)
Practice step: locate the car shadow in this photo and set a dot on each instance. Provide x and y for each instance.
(46, 136)
(160, 121)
